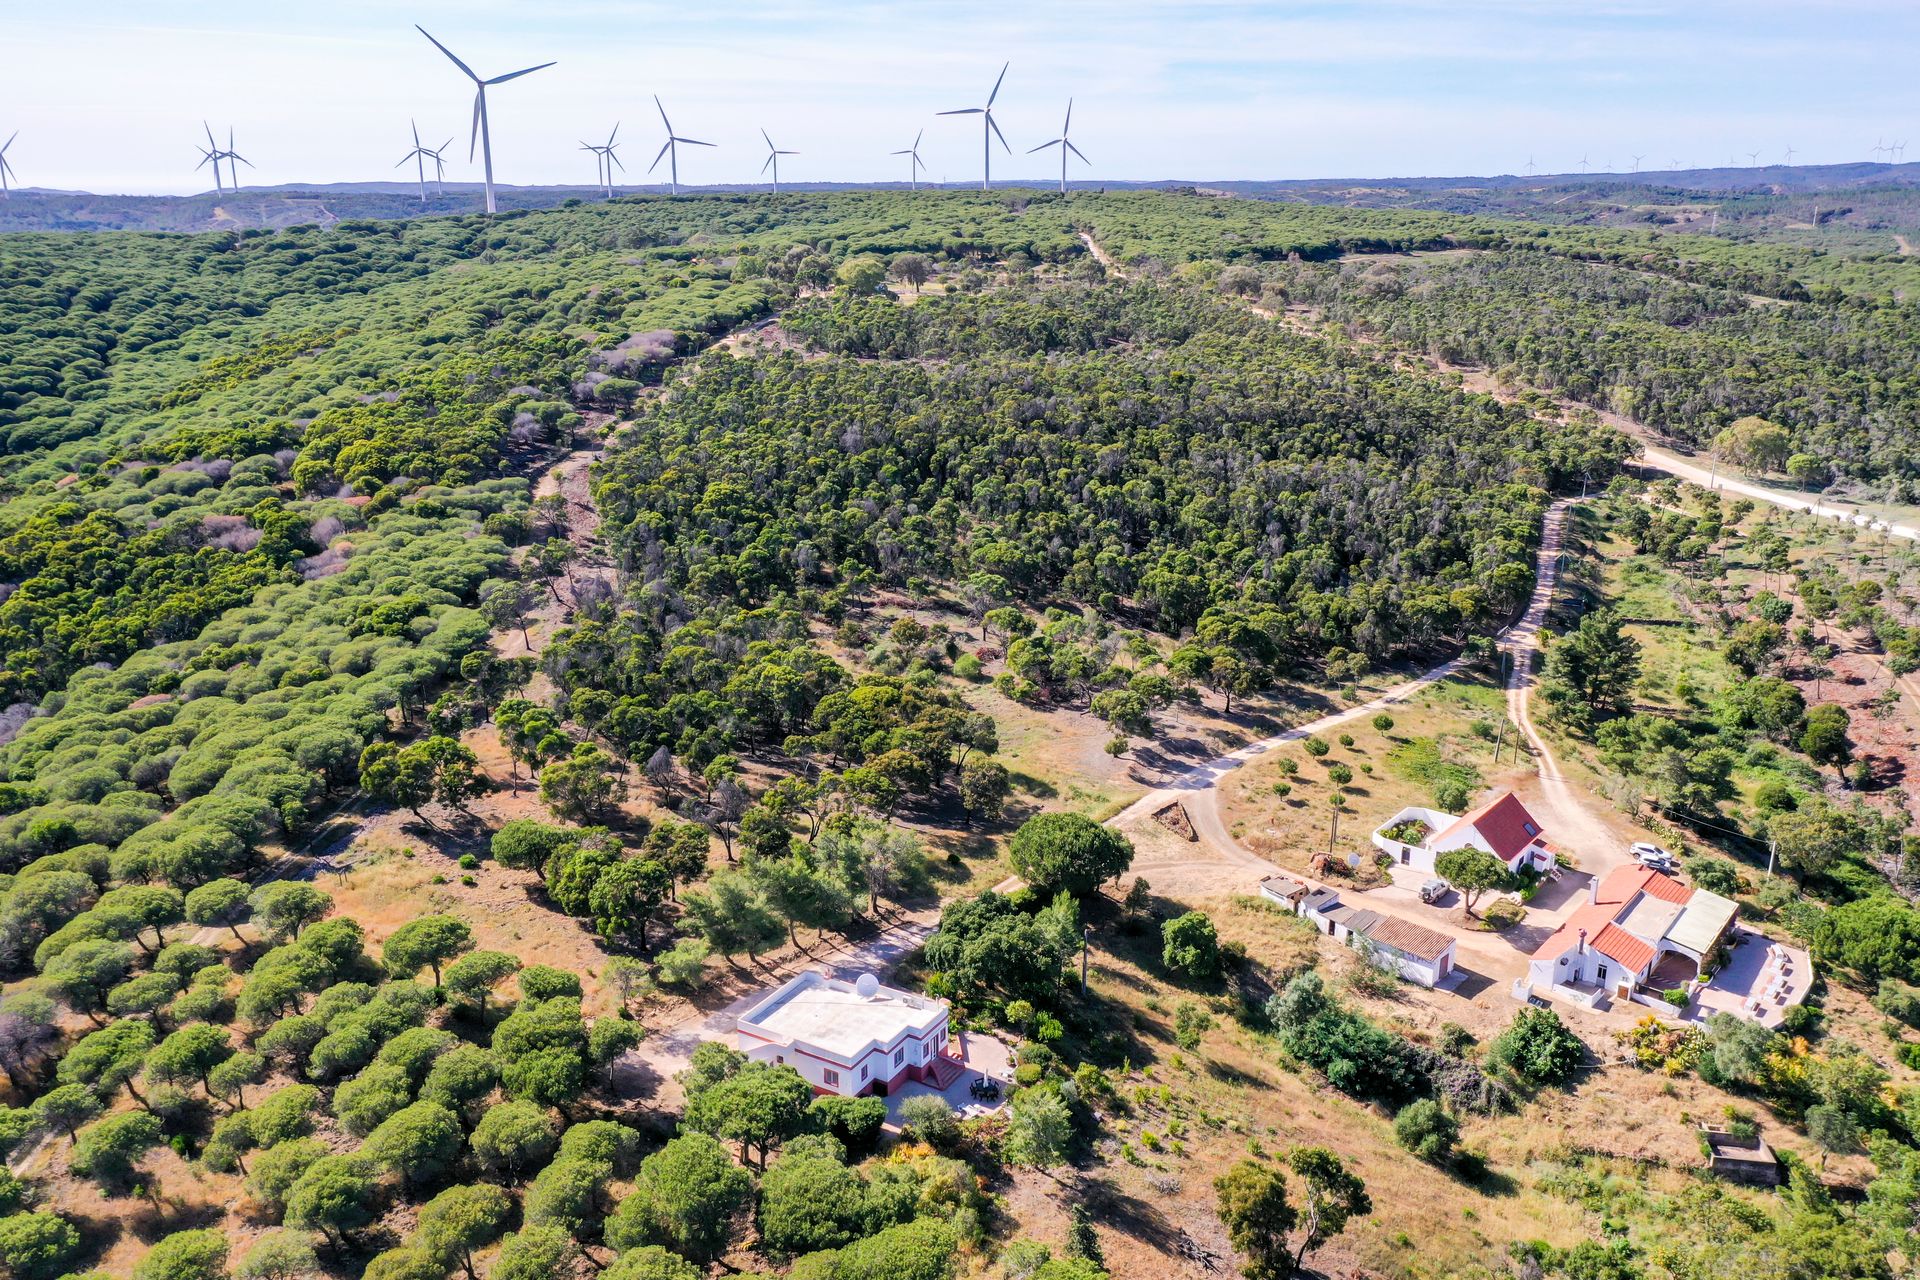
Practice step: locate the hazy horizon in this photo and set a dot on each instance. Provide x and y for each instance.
(1230, 90)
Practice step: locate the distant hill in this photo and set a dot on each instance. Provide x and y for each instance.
(1862, 199)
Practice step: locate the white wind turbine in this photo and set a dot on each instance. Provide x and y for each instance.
(420, 155)
(671, 149)
(773, 159)
(480, 132)
(1065, 144)
(6, 170)
(604, 159)
(211, 153)
(913, 166)
(989, 130)
(233, 170)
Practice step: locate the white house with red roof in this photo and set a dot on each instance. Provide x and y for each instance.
(850, 1038)
(1638, 930)
(1501, 827)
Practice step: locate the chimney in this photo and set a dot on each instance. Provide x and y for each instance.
(1593, 890)
(1583, 942)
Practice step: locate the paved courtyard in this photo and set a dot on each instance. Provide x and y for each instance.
(1761, 980)
(985, 1057)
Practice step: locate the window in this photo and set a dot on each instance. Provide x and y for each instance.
(1530, 829)
(1602, 972)
(832, 1077)
(863, 1072)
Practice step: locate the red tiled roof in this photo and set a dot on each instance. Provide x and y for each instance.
(1611, 898)
(1617, 944)
(1503, 824)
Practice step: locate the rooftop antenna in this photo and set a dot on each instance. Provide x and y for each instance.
(604, 159)
(773, 159)
(913, 166)
(1065, 144)
(480, 133)
(988, 129)
(672, 148)
(6, 170)
(419, 156)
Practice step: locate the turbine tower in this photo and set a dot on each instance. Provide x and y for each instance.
(6, 170)
(604, 159)
(671, 148)
(913, 166)
(1065, 144)
(480, 132)
(773, 159)
(211, 153)
(419, 156)
(988, 130)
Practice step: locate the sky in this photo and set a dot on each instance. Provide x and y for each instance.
(111, 96)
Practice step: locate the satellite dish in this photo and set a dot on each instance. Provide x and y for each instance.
(866, 986)
(1353, 862)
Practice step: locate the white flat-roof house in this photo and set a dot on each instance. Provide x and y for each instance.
(850, 1038)
(1501, 827)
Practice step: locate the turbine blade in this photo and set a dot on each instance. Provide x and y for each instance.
(403, 160)
(963, 111)
(996, 133)
(767, 140)
(615, 159)
(694, 142)
(515, 75)
(663, 115)
(615, 133)
(216, 146)
(1043, 146)
(233, 155)
(16, 133)
(899, 153)
(1068, 126)
(416, 132)
(450, 54)
(786, 153)
(996, 83)
(663, 155)
(443, 147)
(769, 163)
(1076, 151)
(473, 139)
(206, 156)
(918, 136)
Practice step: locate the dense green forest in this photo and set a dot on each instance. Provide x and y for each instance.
(1684, 358)
(269, 496)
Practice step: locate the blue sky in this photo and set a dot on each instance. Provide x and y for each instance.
(111, 99)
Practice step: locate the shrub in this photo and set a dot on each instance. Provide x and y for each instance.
(1538, 1049)
(1190, 946)
(1426, 1130)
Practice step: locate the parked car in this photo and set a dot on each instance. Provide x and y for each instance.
(1652, 855)
(1434, 890)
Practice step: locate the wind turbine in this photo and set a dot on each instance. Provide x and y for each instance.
(671, 148)
(604, 159)
(1636, 161)
(419, 156)
(439, 166)
(1583, 162)
(773, 159)
(1529, 166)
(1753, 157)
(988, 130)
(233, 171)
(480, 132)
(1065, 144)
(6, 170)
(913, 166)
(211, 152)
(1789, 155)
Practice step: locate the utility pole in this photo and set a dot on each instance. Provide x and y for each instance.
(1086, 937)
(1772, 849)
